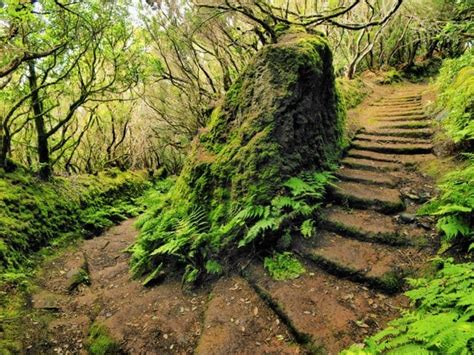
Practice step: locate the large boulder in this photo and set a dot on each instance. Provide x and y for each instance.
(281, 118)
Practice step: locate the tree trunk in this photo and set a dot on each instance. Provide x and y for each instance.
(4, 147)
(42, 137)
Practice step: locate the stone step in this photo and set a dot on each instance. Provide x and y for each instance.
(412, 100)
(368, 155)
(358, 195)
(393, 113)
(409, 133)
(401, 118)
(380, 266)
(370, 164)
(398, 104)
(366, 177)
(237, 320)
(393, 148)
(324, 310)
(407, 94)
(410, 124)
(405, 159)
(390, 139)
(366, 225)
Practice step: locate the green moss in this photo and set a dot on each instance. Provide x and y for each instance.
(100, 342)
(352, 92)
(81, 277)
(281, 118)
(390, 77)
(456, 97)
(34, 214)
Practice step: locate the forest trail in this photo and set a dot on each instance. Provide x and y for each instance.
(368, 240)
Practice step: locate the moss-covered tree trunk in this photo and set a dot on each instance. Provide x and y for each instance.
(281, 118)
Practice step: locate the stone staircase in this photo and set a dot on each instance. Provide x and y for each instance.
(363, 249)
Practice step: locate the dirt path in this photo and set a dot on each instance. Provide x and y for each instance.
(367, 242)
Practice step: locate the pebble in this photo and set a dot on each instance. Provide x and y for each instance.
(407, 217)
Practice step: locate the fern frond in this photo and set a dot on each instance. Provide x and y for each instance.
(307, 228)
(259, 228)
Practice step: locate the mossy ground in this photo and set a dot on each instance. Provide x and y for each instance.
(100, 342)
(37, 219)
(35, 214)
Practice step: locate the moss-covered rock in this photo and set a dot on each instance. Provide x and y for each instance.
(34, 213)
(282, 117)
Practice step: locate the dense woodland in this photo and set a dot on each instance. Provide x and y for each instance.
(91, 85)
(114, 109)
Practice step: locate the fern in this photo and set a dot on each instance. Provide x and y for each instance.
(455, 205)
(187, 235)
(307, 228)
(259, 228)
(441, 322)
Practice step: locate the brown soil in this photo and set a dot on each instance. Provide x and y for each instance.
(351, 288)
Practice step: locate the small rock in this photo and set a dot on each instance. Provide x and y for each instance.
(361, 324)
(46, 300)
(425, 225)
(412, 196)
(407, 217)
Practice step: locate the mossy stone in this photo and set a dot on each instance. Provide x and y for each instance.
(282, 117)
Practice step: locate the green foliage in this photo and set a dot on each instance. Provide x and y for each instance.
(191, 240)
(456, 94)
(441, 323)
(283, 266)
(352, 91)
(34, 214)
(100, 342)
(455, 205)
(389, 77)
(81, 277)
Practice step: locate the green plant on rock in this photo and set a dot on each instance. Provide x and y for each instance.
(188, 238)
(440, 323)
(99, 341)
(247, 183)
(283, 266)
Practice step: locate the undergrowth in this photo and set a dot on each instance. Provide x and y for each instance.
(193, 242)
(454, 206)
(36, 214)
(283, 266)
(441, 323)
(455, 84)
